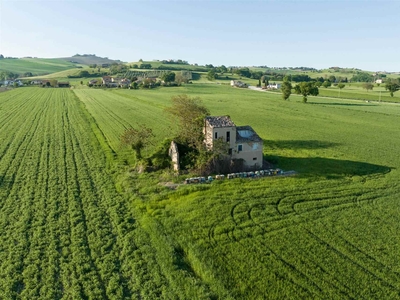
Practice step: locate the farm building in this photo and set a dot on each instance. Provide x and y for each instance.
(63, 84)
(244, 142)
(274, 86)
(37, 81)
(238, 83)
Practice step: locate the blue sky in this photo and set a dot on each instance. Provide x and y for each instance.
(362, 34)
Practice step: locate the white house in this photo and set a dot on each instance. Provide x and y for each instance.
(274, 86)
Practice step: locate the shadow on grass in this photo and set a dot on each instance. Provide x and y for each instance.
(341, 104)
(327, 167)
(298, 144)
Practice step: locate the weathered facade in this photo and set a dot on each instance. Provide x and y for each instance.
(243, 142)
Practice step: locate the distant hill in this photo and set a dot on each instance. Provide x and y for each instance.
(89, 59)
(159, 65)
(36, 66)
(33, 66)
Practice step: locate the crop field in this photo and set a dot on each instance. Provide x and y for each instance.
(330, 232)
(65, 233)
(74, 226)
(37, 66)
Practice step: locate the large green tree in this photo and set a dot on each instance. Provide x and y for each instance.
(137, 139)
(368, 86)
(188, 113)
(392, 86)
(326, 83)
(212, 75)
(306, 89)
(286, 88)
(168, 77)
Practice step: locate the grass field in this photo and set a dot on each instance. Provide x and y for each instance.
(37, 66)
(66, 232)
(328, 233)
(74, 228)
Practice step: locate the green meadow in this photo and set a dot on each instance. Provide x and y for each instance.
(330, 232)
(37, 66)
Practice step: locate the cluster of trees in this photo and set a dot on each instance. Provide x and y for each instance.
(392, 85)
(118, 68)
(362, 77)
(188, 114)
(303, 88)
(4, 75)
(175, 62)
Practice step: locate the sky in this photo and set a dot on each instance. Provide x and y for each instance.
(360, 34)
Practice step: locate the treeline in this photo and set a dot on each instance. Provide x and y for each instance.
(275, 76)
(188, 75)
(87, 74)
(175, 62)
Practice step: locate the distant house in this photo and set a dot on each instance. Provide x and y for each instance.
(37, 81)
(238, 83)
(63, 84)
(274, 86)
(379, 81)
(124, 82)
(244, 143)
(93, 81)
(106, 80)
(47, 82)
(11, 82)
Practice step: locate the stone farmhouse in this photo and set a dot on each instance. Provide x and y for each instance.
(238, 83)
(244, 142)
(115, 82)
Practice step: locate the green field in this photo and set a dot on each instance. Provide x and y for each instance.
(79, 224)
(37, 66)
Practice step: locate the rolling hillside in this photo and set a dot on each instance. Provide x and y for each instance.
(36, 66)
(89, 59)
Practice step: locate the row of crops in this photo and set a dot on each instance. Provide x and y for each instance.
(65, 231)
(329, 233)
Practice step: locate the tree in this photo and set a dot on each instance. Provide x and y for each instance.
(188, 113)
(134, 85)
(326, 84)
(332, 78)
(286, 88)
(137, 139)
(1, 56)
(212, 75)
(179, 78)
(392, 86)
(223, 69)
(340, 86)
(84, 74)
(168, 77)
(306, 89)
(145, 66)
(368, 86)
